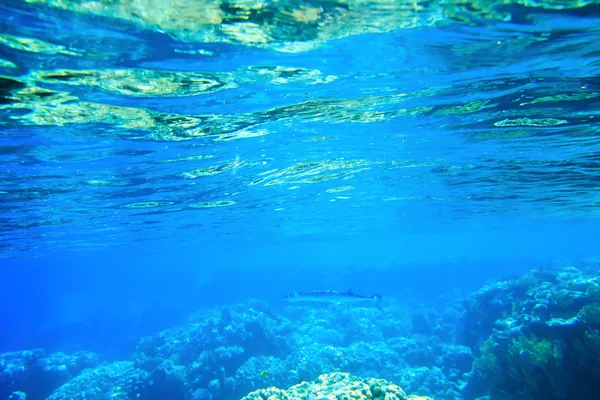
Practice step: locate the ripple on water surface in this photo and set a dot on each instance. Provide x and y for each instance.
(296, 113)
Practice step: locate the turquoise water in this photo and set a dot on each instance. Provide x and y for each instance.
(161, 158)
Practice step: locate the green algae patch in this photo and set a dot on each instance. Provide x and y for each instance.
(149, 204)
(538, 351)
(489, 361)
(530, 122)
(213, 204)
(590, 315)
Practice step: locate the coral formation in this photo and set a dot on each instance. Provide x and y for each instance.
(333, 386)
(120, 381)
(536, 336)
(37, 374)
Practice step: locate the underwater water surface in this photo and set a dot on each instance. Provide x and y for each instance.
(170, 169)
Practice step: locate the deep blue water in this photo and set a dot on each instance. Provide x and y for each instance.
(160, 158)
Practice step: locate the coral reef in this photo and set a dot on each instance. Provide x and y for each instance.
(229, 352)
(536, 336)
(333, 386)
(120, 381)
(205, 355)
(37, 374)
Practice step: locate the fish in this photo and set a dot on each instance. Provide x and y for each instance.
(332, 297)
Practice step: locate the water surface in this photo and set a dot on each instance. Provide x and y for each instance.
(140, 122)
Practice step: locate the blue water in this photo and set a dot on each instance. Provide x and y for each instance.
(163, 158)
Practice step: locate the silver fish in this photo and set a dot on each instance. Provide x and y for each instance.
(332, 297)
